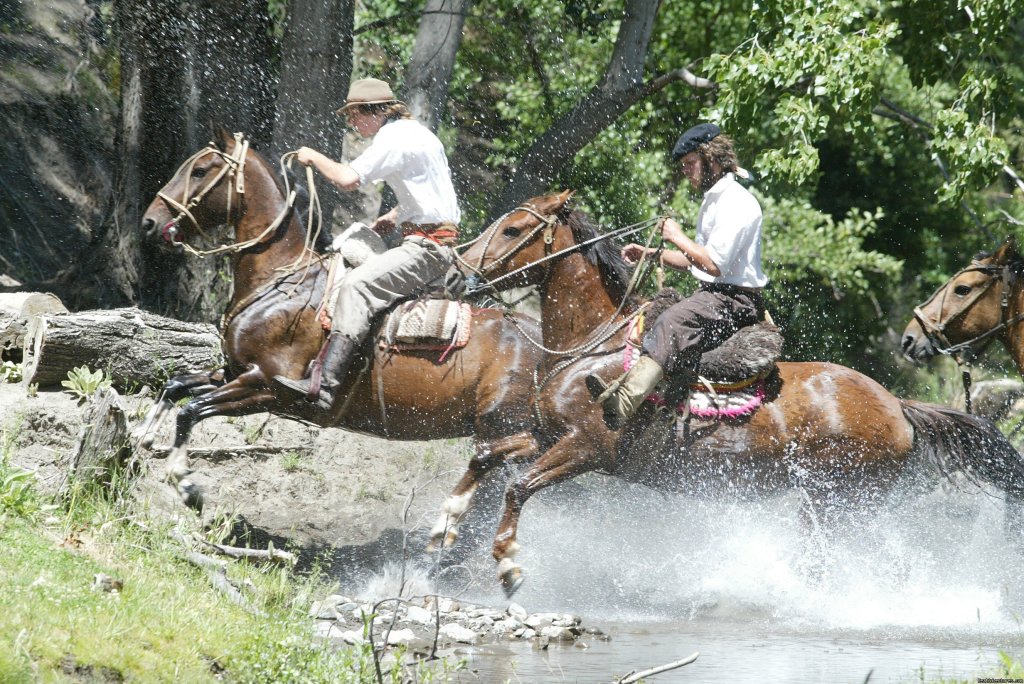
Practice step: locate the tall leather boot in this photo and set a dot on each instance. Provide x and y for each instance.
(623, 397)
(341, 352)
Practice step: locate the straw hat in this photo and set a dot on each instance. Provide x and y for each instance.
(367, 91)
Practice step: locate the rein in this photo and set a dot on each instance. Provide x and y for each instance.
(234, 170)
(547, 224)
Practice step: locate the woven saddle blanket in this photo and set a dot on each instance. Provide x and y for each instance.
(427, 324)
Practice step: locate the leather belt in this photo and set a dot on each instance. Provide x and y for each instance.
(444, 233)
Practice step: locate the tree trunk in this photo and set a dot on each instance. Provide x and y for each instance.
(433, 58)
(184, 66)
(102, 444)
(15, 310)
(316, 65)
(132, 346)
(621, 86)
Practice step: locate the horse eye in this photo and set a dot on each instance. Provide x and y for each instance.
(511, 232)
(198, 173)
(961, 290)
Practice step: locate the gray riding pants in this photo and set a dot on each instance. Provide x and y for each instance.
(382, 280)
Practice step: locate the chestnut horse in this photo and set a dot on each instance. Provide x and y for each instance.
(981, 303)
(270, 328)
(835, 433)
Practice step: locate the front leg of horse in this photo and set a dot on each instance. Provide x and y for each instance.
(488, 456)
(245, 395)
(568, 458)
(177, 388)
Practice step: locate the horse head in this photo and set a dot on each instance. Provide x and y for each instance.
(204, 193)
(967, 312)
(509, 247)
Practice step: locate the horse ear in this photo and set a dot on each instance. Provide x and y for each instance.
(222, 137)
(1006, 250)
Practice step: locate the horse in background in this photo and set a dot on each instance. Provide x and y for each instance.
(271, 328)
(828, 430)
(982, 303)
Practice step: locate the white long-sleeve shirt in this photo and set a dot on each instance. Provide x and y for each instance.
(729, 227)
(409, 157)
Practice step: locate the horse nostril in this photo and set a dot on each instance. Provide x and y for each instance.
(148, 226)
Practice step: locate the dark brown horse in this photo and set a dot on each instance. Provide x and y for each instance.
(981, 303)
(271, 328)
(829, 430)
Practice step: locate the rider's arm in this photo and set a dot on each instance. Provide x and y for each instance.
(692, 253)
(340, 174)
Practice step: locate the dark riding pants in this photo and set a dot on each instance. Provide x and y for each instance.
(699, 323)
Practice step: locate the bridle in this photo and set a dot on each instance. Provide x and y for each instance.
(547, 225)
(934, 330)
(233, 170)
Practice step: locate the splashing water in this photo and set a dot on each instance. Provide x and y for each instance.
(939, 565)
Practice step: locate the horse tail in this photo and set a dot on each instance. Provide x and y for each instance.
(952, 440)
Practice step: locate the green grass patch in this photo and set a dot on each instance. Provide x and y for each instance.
(167, 622)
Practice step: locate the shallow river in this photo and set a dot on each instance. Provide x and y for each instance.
(918, 590)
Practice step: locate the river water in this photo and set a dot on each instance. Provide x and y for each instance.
(925, 588)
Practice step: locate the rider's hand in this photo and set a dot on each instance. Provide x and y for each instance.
(670, 230)
(384, 224)
(633, 253)
(305, 155)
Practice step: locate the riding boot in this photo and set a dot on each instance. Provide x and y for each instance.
(338, 357)
(623, 397)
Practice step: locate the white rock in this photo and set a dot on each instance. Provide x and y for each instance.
(558, 633)
(506, 626)
(400, 636)
(420, 616)
(517, 611)
(326, 628)
(536, 621)
(458, 633)
(527, 634)
(352, 637)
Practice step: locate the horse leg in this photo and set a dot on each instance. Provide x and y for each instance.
(178, 387)
(246, 394)
(571, 456)
(488, 456)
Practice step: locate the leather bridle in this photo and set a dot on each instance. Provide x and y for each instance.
(935, 330)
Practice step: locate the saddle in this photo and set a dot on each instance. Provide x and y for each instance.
(730, 379)
(425, 323)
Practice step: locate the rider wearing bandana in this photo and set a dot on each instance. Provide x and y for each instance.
(725, 257)
(411, 160)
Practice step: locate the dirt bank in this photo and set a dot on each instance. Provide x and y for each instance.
(325, 493)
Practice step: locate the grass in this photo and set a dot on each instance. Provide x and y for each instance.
(167, 623)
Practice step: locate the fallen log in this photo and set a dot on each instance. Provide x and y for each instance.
(132, 346)
(16, 308)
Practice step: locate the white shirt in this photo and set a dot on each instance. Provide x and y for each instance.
(408, 157)
(729, 228)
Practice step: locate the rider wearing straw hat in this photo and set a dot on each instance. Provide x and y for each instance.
(411, 160)
(725, 257)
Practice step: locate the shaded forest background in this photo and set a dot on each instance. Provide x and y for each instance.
(884, 137)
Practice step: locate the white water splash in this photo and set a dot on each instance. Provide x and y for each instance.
(937, 566)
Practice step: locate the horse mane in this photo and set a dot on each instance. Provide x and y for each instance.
(615, 273)
(301, 205)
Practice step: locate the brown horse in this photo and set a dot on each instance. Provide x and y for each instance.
(979, 304)
(829, 430)
(271, 328)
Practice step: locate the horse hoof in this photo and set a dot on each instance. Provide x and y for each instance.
(191, 495)
(511, 581)
(437, 544)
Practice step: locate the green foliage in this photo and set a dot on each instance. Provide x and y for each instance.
(82, 383)
(10, 372)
